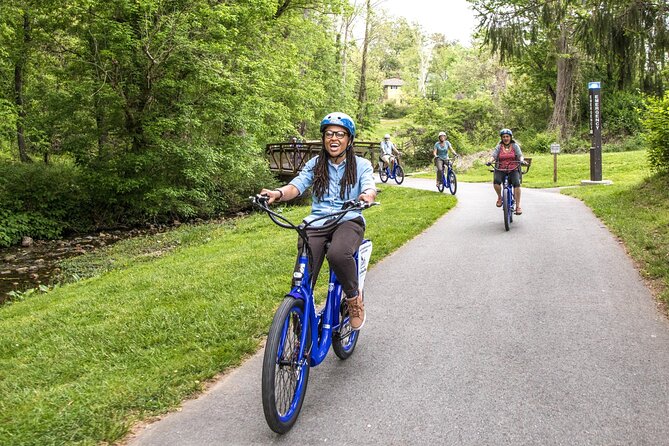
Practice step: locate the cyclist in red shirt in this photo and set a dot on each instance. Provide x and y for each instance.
(507, 156)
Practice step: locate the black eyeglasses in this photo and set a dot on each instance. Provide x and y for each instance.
(340, 135)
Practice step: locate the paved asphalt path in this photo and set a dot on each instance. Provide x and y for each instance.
(543, 335)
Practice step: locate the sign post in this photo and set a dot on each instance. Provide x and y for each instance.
(555, 149)
(594, 89)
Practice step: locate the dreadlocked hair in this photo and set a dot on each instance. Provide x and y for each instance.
(322, 177)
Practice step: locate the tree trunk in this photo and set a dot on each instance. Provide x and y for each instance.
(566, 64)
(362, 92)
(19, 76)
(425, 54)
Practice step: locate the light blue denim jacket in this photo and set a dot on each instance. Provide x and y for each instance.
(386, 148)
(331, 200)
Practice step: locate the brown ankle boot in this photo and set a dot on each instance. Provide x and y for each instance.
(356, 311)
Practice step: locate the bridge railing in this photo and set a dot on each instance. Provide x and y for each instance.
(287, 159)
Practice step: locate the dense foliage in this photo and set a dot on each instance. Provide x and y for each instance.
(656, 121)
(563, 44)
(123, 112)
(154, 110)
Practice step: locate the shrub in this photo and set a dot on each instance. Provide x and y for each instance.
(41, 201)
(128, 189)
(15, 226)
(392, 110)
(539, 142)
(656, 135)
(621, 113)
(628, 144)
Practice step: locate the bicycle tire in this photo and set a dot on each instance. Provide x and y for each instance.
(505, 207)
(399, 175)
(440, 183)
(345, 339)
(284, 376)
(512, 205)
(453, 186)
(383, 175)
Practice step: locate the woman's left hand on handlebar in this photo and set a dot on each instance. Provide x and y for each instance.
(367, 198)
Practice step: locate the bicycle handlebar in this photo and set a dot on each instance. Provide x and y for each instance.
(260, 201)
(524, 164)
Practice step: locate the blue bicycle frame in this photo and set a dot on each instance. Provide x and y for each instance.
(396, 173)
(448, 179)
(300, 337)
(328, 318)
(508, 197)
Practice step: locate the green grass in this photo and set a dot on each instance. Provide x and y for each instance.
(137, 250)
(638, 213)
(82, 363)
(620, 167)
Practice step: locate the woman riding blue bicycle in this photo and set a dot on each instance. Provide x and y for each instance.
(507, 157)
(337, 176)
(440, 153)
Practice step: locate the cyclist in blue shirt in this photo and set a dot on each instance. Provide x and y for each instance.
(388, 152)
(336, 175)
(440, 153)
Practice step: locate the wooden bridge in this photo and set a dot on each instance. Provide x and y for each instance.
(287, 159)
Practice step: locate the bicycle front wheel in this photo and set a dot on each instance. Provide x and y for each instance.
(453, 186)
(383, 174)
(344, 340)
(440, 183)
(399, 175)
(506, 208)
(284, 374)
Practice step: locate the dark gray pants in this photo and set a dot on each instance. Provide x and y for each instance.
(514, 177)
(345, 239)
(441, 165)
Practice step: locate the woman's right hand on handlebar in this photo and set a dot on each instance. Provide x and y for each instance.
(272, 195)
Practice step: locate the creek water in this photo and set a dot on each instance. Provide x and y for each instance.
(25, 267)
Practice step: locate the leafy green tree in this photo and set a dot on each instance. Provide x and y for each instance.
(563, 33)
(165, 107)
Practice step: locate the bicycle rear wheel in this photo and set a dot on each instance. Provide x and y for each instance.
(453, 187)
(344, 340)
(505, 207)
(383, 174)
(284, 374)
(399, 175)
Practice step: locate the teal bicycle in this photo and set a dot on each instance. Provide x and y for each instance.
(300, 336)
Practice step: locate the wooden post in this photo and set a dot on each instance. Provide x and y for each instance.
(555, 149)
(555, 168)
